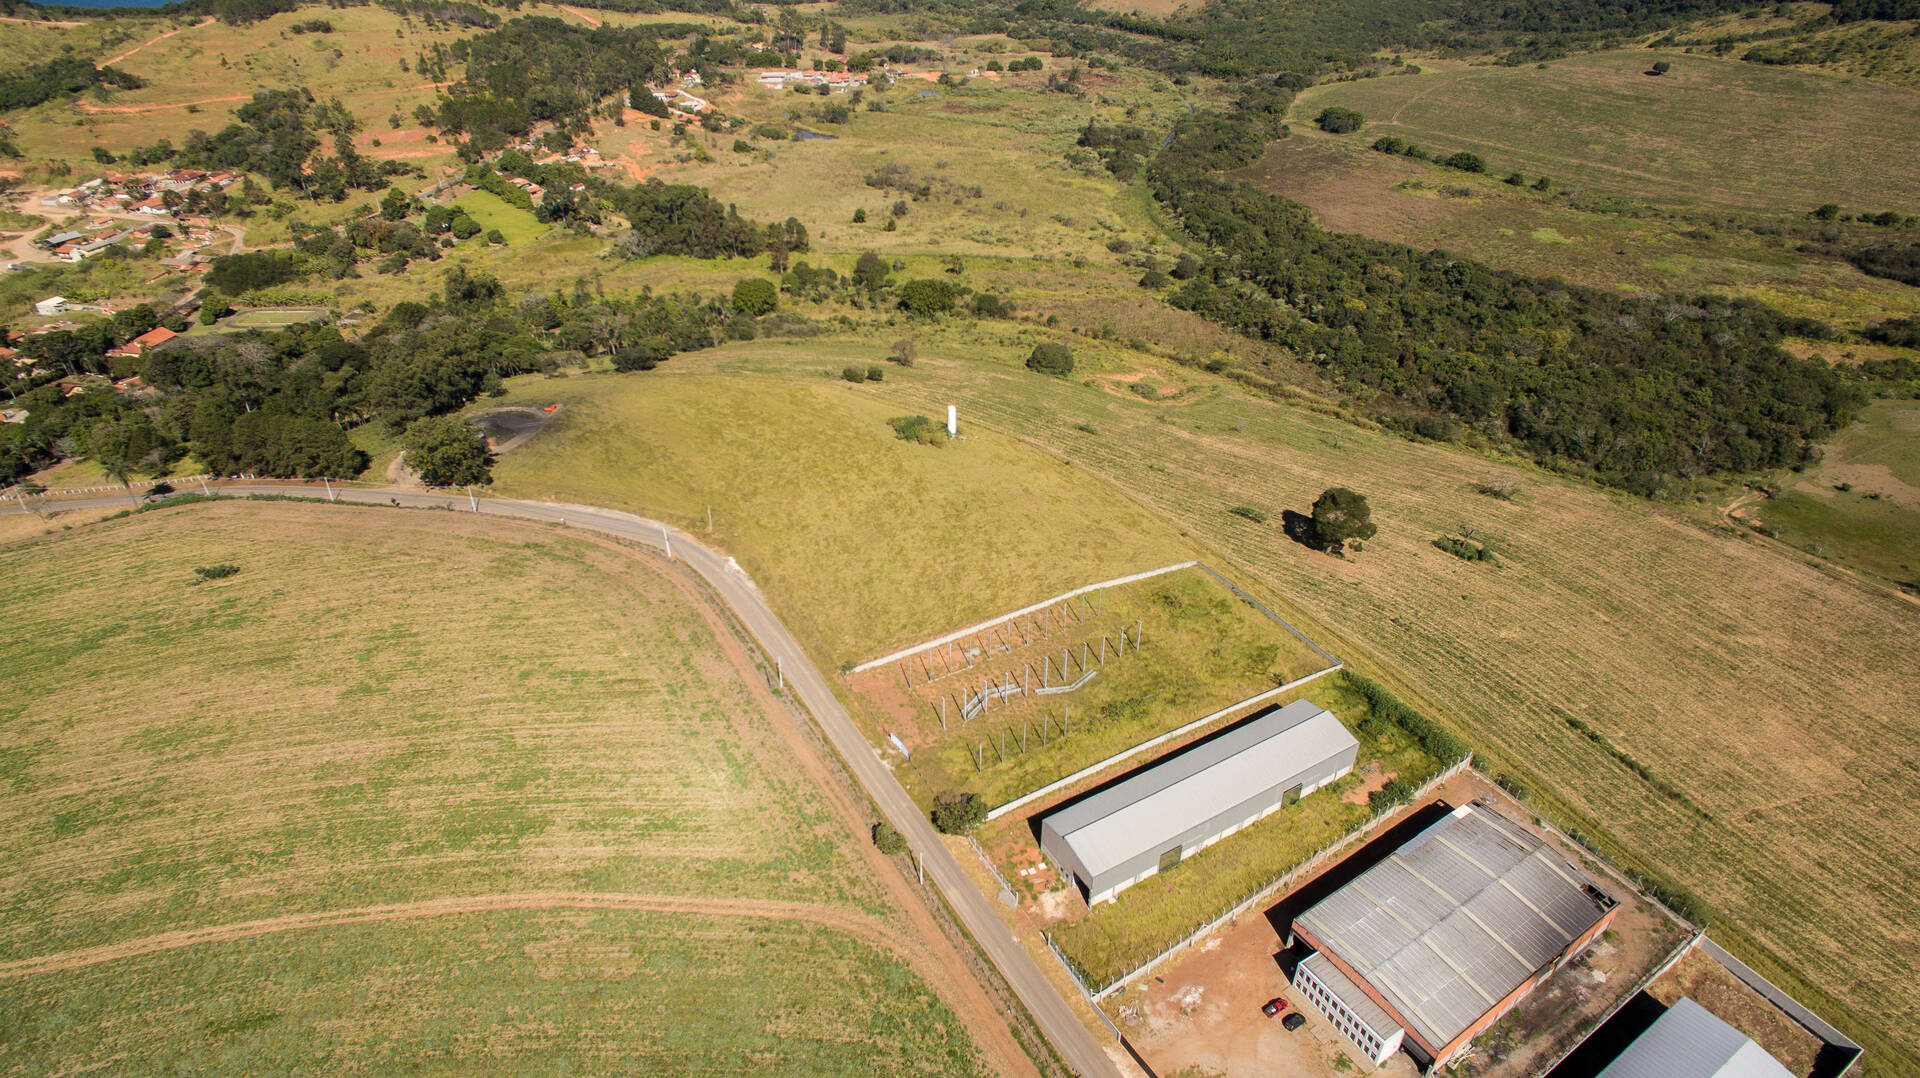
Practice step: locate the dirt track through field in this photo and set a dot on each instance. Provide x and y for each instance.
(161, 37)
(836, 917)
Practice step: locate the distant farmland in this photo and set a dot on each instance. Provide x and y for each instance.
(411, 793)
(1710, 133)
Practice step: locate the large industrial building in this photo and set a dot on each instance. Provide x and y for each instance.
(1428, 948)
(1195, 797)
(1688, 1041)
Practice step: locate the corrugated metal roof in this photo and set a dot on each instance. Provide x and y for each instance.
(1690, 1042)
(1455, 919)
(1191, 787)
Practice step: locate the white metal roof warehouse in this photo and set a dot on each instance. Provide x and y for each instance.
(1197, 796)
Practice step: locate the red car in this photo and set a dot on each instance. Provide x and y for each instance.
(1273, 1006)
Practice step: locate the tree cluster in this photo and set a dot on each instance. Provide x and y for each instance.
(540, 69)
(61, 75)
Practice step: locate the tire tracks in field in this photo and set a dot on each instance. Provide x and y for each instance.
(839, 918)
(152, 40)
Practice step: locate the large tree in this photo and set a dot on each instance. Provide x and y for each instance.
(446, 451)
(1341, 516)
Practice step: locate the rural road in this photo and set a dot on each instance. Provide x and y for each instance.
(1075, 1044)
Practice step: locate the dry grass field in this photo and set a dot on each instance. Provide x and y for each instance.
(1710, 133)
(199, 74)
(413, 792)
(1351, 188)
(1769, 692)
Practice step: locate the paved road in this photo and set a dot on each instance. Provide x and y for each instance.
(975, 910)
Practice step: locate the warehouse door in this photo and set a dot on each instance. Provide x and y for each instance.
(1171, 858)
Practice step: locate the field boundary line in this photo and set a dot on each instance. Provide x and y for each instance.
(835, 917)
(1153, 743)
(1022, 612)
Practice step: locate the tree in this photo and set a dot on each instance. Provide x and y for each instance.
(1051, 358)
(888, 840)
(213, 307)
(395, 205)
(755, 296)
(1660, 67)
(446, 451)
(1341, 516)
(927, 297)
(860, 216)
(1466, 162)
(1826, 211)
(1335, 120)
(870, 271)
(958, 813)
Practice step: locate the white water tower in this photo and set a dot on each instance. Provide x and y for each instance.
(953, 421)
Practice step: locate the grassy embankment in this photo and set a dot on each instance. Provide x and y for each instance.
(1779, 742)
(460, 824)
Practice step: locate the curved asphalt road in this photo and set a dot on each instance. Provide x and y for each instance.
(1071, 1039)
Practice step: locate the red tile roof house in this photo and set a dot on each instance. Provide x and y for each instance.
(138, 346)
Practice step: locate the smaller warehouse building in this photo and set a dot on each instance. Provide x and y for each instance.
(1690, 1042)
(1428, 948)
(1195, 797)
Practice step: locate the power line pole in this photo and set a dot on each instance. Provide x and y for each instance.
(668, 540)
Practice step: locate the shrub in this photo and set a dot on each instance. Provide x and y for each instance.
(854, 374)
(1338, 121)
(1464, 549)
(918, 428)
(876, 373)
(1466, 162)
(755, 296)
(889, 841)
(860, 217)
(214, 572)
(741, 145)
(1051, 358)
(958, 813)
(928, 296)
(1248, 511)
(1433, 739)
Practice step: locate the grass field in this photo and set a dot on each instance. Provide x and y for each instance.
(1769, 692)
(272, 318)
(1203, 650)
(1709, 133)
(1861, 503)
(204, 70)
(1147, 918)
(1351, 188)
(531, 813)
(864, 541)
(492, 212)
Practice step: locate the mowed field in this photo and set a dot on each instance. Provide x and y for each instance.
(1772, 694)
(1861, 502)
(419, 793)
(1351, 188)
(1709, 133)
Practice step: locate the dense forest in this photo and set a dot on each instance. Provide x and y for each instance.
(62, 75)
(1633, 390)
(542, 70)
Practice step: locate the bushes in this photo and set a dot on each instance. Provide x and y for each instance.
(1436, 741)
(213, 572)
(755, 296)
(1464, 549)
(1051, 358)
(918, 428)
(446, 451)
(927, 297)
(958, 813)
(888, 840)
(1249, 512)
(1339, 121)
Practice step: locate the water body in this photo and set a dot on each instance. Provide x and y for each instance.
(103, 4)
(811, 136)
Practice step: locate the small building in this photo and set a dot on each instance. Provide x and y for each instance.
(51, 306)
(1193, 798)
(138, 346)
(1688, 1041)
(1429, 947)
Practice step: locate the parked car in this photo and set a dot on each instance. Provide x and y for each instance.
(1293, 1021)
(1273, 1006)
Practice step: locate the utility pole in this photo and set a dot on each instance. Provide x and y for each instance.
(709, 520)
(203, 485)
(471, 502)
(668, 540)
(323, 479)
